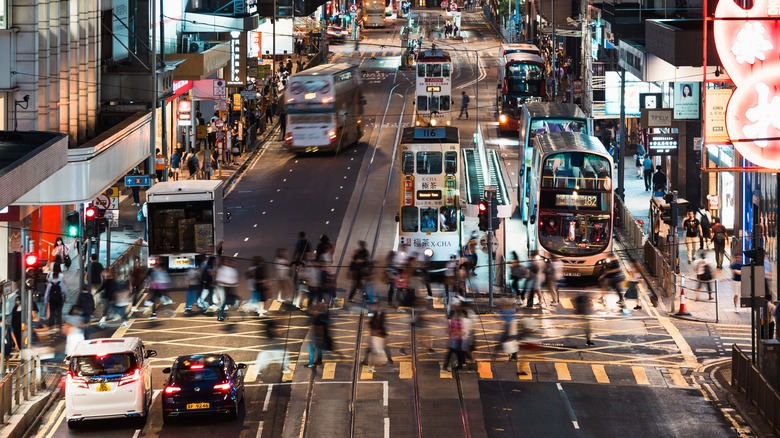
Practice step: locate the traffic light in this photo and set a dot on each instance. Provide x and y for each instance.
(74, 227)
(32, 264)
(90, 221)
(483, 215)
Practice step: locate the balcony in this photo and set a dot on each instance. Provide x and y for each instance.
(201, 65)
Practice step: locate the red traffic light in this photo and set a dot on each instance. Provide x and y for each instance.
(90, 213)
(31, 260)
(482, 207)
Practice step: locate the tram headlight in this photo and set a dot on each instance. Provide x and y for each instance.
(433, 122)
(428, 252)
(502, 118)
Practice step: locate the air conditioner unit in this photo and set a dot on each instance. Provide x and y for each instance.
(197, 46)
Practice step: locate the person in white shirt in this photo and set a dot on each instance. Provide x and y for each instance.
(703, 270)
(227, 280)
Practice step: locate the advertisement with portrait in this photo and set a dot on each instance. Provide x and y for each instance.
(686, 100)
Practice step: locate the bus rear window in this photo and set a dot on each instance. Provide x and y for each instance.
(409, 219)
(429, 163)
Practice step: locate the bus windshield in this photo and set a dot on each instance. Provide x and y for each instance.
(546, 125)
(576, 170)
(524, 79)
(577, 234)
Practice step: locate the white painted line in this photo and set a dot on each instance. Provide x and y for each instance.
(576, 425)
(387, 427)
(246, 239)
(267, 401)
(137, 433)
(385, 393)
(259, 430)
(254, 226)
(327, 222)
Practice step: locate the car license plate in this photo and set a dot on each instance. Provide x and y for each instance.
(198, 406)
(572, 274)
(182, 263)
(103, 387)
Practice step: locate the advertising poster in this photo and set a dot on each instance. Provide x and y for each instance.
(686, 100)
(715, 116)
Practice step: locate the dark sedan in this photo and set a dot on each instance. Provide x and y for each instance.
(203, 384)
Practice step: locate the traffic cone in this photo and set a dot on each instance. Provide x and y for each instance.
(683, 310)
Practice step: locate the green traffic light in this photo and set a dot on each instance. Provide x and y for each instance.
(73, 231)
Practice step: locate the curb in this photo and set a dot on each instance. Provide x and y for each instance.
(737, 405)
(229, 181)
(28, 419)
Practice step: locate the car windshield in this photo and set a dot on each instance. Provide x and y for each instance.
(87, 366)
(196, 374)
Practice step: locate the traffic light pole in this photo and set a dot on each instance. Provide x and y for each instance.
(82, 247)
(675, 249)
(490, 195)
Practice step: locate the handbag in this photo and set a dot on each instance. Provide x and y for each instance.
(68, 261)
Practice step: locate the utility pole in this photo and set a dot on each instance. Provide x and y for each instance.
(622, 131)
(490, 197)
(675, 247)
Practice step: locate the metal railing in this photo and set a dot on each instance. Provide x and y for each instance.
(746, 378)
(634, 229)
(123, 266)
(19, 385)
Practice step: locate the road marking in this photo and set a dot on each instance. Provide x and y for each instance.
(365, 374)
(524, 367)
(267, 401)
(180, 309)
(276, 305)
(677, 378)
(406, 370)
(246, 239)
(259, 430)
(252, 372)
(563, 371)
(385, 393)
(438, 303)
(120, 331)
(288, 376)
(444, 374)
(387, 427)
(600, 373)
(682, 344)
(235, 255)
(572, 417)
(566, 303)
(484, 370)
(56, 417)
(640, 375)
(329, 371)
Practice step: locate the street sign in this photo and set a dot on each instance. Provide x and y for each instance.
(102, 201)
(220, 105)
(219, 123)
(250, 95)
(221, 135)
(483, 244)
(112, 216)
(220, 88)
(200, 132)
(453, 6)
(353, 8)
(139, 180)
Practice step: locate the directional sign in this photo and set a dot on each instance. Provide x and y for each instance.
(453, 6)
(138, 180)
(353, 8)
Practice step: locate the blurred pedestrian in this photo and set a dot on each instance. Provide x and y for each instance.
(160, 283)
(108, 291)
(703, 270)
(258, 278)
(207, 269)
(357, 268)
(464, 105)
(137, 277)
(509, 336)
(378, 351)
(54, 300)
(275, 351)
(736, 275)
(553, 272)
(613, 278)
(318, 336)
(194, 288)
(283, 280)
(94, 277)
(719, 238)
(634, 277)
(536, 277)
(16, 321)
(584, 307)
(74, 330)
(455, 343)
(227, 280)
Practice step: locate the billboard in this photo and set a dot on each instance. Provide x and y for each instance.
(687, 100)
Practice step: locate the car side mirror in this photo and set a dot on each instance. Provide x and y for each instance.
(242, 366)
(151, 353)
(166, 370)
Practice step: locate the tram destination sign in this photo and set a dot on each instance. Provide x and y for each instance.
(430, 133)
(563, 200)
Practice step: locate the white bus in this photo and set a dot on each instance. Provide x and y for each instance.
(507, 49)
(430, 192)
(433, 89)
(571, 202)
(374, 13)
(324, 108)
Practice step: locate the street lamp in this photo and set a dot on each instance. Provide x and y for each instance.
(18, 103)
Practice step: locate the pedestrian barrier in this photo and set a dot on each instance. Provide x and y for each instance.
(634, 228)
(746, 378)
(684, 284)
(125, 263)
(18, 386)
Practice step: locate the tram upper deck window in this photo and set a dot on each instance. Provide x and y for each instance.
(407, 163)
(445, 70)
(429, 163)
(422, 103)
(444, 103)
(409, 219)
(450, 162)
(432, 70)
(428, 220)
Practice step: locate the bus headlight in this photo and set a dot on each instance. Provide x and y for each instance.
(428, 252)
(602, 262)
(502, 118)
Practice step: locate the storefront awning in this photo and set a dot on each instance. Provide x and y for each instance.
(201, 65)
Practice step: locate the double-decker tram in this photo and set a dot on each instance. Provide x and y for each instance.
(521, 79)
(430, 192)
(571, 193)
(433, 88)
(373, 13)
(537, 118)
(324, 108)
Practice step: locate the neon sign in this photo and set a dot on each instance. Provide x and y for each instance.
(749, 50)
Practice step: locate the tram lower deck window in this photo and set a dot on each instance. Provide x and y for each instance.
(409, 219)
(428, 218)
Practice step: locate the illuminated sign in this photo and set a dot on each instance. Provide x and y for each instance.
(251, 6)
(576, 200)
(428, 194)
(185, 109)
(686, 100)
(433, 89)
(715, 105)
(237, 66)
(662, 144)
(747, 44)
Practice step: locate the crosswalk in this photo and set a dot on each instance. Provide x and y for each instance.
(727, 335)
(550, 372)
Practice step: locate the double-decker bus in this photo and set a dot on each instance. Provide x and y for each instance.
(571, 202)
(430, 192)
(509, 48)
(521, 79)
(324, 108)
(433, 89)
(373, 13)
(538, 118)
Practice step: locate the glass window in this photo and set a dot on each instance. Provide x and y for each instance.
(445, 70)
(574, 235)
(433, 70)
(429, 163)
(448, 219)
(421, 70)
(577, 170)
(181, 227)
(409, 219)
(451, 162)
(434, 103)
(428, 220)
(422, 103)
(445, 103)
(407, 163)
(207, 373)
(87, 366)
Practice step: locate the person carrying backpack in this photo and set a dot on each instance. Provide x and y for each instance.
(357, 269)
(719, 238)
(703, 271)
(54, 299)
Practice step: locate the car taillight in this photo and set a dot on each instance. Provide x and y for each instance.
(502, 118)
(288, 138)
(130, 378)
(76, 381)
(332, 135)
(170, 390)
(224, 387)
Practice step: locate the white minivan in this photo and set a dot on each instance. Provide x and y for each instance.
(108, 378)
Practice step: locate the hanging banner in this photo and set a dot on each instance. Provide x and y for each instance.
(686, 100)
(208, 89)
(715, 115)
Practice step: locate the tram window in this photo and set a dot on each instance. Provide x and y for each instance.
(407, 163)
(409, 219)
(433, 70)
(434, 103)
(450, 162)
(445, 70)
(428, 220)
(448, 219)
(420, 70)
(422, 103)
(445, 103)
(429, 163)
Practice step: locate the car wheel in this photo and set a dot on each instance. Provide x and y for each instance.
(167, 419)
(73, 425)
(233, 413)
